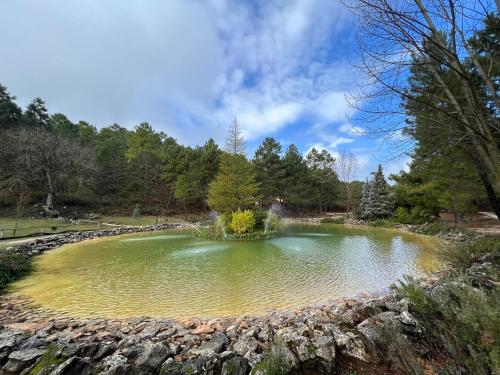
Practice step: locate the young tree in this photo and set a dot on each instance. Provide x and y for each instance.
(234, 186)
(347, 168)
(235, 143)
(269, 169)
(376, 202)
(36, 114)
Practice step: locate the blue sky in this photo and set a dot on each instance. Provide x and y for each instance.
(283, 68)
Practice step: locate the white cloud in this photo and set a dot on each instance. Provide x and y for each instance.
(188, 67)
(352, 130)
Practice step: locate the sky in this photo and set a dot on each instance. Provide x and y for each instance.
(282, 68)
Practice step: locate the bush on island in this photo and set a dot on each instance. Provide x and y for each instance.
(242, 221)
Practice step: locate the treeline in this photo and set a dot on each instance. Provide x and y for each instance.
(51, 160)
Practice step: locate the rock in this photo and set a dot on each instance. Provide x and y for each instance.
(104, 351)
(21, 359)
(152, 357)
(252, 358)
(191, 367)
(235, 366)
(324, 353)
(379, 332)
(245, 344)
(73, 366)
(7, 340)
(203, 328)
(216, 344)
(351, 346)
(114, 365)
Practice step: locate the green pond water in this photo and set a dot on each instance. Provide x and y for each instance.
(176, 275)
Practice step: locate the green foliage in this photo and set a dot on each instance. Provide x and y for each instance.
(242, 221)
(274, 362)
(332, 220)
(49, 359)
(416, 215)
(12, 267)
(269, 169)
(460, 319)
(234, 186)
(463, 256)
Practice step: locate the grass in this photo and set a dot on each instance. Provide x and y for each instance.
(28, 226)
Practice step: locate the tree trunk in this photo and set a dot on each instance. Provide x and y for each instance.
(50, 190)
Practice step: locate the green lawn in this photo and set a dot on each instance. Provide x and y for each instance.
(27, 226)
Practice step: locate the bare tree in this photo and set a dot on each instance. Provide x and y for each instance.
(347, 168)
(235, 143)
(37, 156)
(397, 34)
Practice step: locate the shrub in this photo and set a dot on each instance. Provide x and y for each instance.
(242, 221)
(12, 267)
(416, 215)
(462, 256)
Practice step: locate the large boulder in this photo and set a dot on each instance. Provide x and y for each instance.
(245, 344)
(152, 357)
(216, 344)
(21, 359)
(351, 346)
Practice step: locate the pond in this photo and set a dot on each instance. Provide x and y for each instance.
(174, 274)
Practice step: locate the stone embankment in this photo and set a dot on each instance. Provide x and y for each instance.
(42, 244)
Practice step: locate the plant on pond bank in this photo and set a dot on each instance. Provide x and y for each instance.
(460, 317)
(12, 267)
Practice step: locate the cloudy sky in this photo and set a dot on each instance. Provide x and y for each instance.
(189, 67)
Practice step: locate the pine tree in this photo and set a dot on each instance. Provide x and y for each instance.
(234, 186)
(36, 114)
(10, 113)
(376, 202)
(269, 169)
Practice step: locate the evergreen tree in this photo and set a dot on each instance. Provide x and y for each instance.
(36, 114)
(376, 202)
(234, 186)
(60, 124)
(322, 166)
(269, 169)
(10, 113)
(144, 151)
(297, 182)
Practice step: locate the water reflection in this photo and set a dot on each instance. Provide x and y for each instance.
(177, 275)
